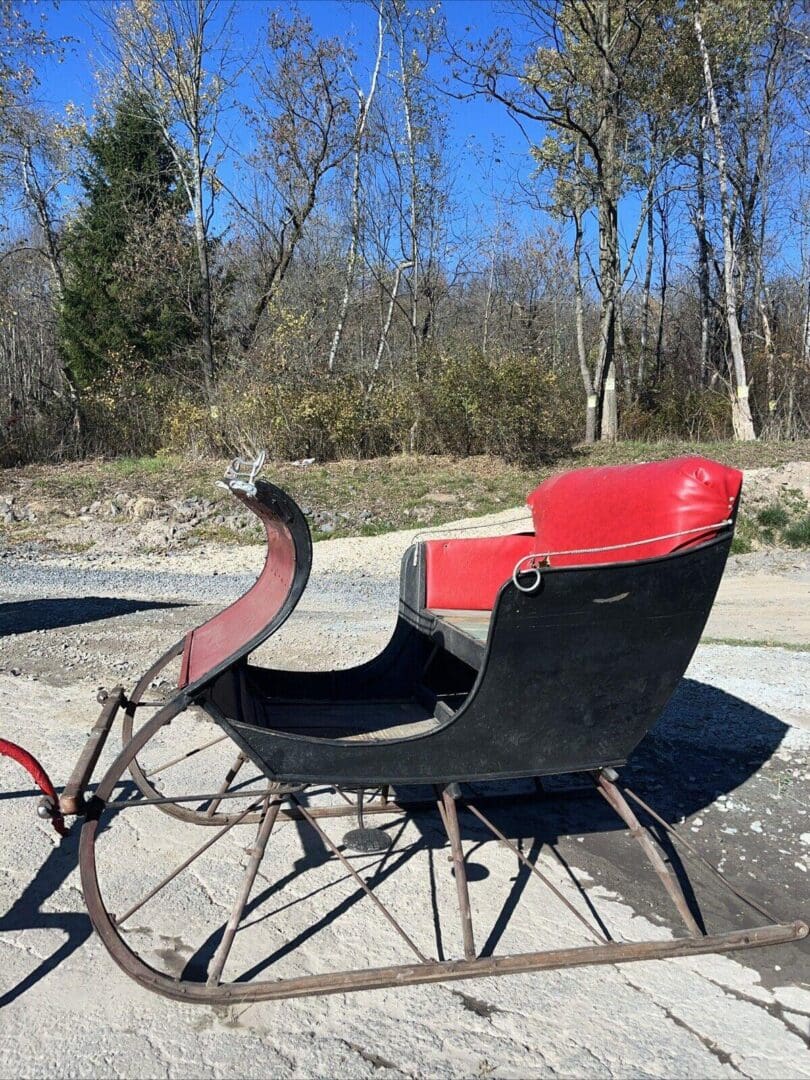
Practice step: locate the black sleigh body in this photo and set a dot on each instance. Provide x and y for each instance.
(571, 677)
(566, 669)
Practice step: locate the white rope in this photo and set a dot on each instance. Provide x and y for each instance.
(522, 519)
(596, 550)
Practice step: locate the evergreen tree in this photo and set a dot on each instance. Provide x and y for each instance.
(128, 252)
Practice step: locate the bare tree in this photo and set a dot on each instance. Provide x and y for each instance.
(304, 133)
(740, 405)
(47, 157)
(365, 102)
(586, 79)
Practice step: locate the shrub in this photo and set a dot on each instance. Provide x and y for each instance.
(675, 412)
(798, 534)
(188, 426)
(463, 403)
(773, 516)
(513, 406)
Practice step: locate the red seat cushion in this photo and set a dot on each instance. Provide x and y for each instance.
(619, 504)
(608, 507)
(466, 575)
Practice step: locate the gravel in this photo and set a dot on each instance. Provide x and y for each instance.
(22, 579)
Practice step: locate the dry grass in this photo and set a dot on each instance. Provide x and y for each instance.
(365, 496)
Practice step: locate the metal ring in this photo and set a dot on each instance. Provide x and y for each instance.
(534, 585)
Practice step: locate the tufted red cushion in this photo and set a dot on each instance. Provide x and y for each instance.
(615, 504)
(588, 508)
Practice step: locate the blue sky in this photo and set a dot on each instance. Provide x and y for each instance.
(485, 146)
(486, 149)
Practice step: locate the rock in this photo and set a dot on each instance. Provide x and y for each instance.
(440, 498)
(142, 508)
(327, 528)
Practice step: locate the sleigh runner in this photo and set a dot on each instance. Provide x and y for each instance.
(527, 656)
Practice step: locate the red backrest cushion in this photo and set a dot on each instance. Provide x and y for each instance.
(467, 574)
(588, 508)
(617, 504)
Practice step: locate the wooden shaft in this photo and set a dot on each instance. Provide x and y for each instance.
(183, 757)
(230, 776)
(530, 865)
(71, 800)
(187, 862)
(360, 881)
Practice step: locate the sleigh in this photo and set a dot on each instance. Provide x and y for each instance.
(514, 659)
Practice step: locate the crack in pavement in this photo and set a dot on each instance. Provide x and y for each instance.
(375, 1060)
(773, 1008)
(723, 1056)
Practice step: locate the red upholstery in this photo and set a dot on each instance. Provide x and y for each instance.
(466, 574)
(588, 508)
(599, 507)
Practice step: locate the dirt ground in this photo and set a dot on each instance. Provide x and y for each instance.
(729, 761)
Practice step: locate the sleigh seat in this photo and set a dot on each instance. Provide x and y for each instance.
(589, 517)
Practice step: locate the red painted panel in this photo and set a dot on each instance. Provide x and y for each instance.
(467, 574)
(618, 504)
(216, 640)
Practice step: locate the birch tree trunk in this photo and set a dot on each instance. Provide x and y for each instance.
(764, 300)
(413, 222)
(740, 406)
(364, 106)
(607, 210)
(703, 252)
(608, 258)
(488, 304)
(43, 214)
(203, 262)
(582, 355)
(645, 308)
(386, 326)
(663, 212)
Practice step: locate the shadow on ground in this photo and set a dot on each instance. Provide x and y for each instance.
(26, 616)
(27, 912)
